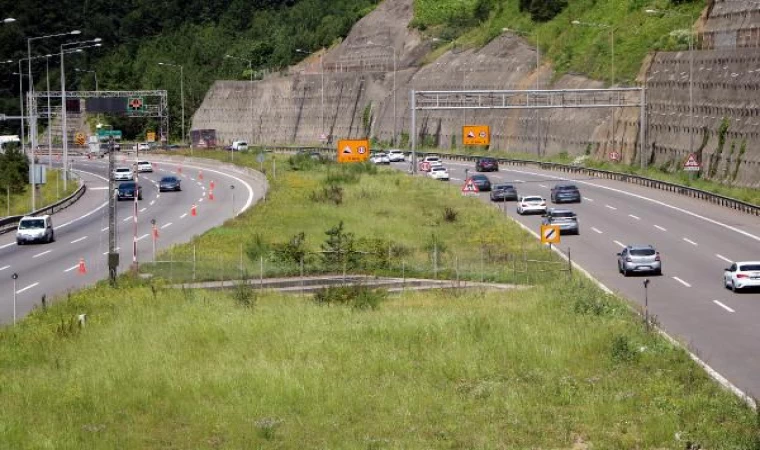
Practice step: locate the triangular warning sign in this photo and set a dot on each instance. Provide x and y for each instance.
(470, 187)
(692, 163)
(347, 150)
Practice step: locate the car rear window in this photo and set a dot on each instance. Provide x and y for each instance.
(563, 214)
(567, 187)
(532, 199)
(642, 251)
(749, 267)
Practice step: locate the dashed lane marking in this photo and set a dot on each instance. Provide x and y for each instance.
(660, 228)
(596, 230)
(183, 216)
(167, 225)
(690, 241)
(619, 243)
(724, 258)
(634, 217)
(41, 254)
(71, 268)
(4, 267)
(142, 237)
(80, 239)
(717, 302)
(610, 207)
(28, 287)
(127, 219)
(682, 282)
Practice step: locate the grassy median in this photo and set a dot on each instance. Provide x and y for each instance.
(556, 364)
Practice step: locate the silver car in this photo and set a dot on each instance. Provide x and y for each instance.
(741, 275)
(639, 258)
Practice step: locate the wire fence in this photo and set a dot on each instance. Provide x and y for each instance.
(528, 264)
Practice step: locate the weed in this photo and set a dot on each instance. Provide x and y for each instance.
(356, 296)
(622, 350)
(244, 295)
(450, 214)
(266, 427)
(330, 194)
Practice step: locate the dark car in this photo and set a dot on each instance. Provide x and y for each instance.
(487, 165)
(169, 184)
(129, 189)
(503, 192)
(566, 220)
(565, 193)
(482, 182)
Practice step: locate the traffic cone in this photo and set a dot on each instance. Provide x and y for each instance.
(200, 174)
(211, 185)
(82, 267)
(211, 195)
(193, 211)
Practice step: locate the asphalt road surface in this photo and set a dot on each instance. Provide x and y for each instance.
(81, 231)
(696, 240)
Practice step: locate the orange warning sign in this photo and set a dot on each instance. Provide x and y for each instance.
(353, 150)
(476, 135)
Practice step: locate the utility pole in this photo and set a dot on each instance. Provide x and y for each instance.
(113, 256)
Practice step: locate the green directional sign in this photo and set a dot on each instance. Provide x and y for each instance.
(107, 133)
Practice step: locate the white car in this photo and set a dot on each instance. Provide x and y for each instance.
(396, 155)
(429, 162)
(531, 204)
(439, 173)
(123, 174)
(141, 147)
(380, 158)
(741, 275)
(35, 229)
(144, 166)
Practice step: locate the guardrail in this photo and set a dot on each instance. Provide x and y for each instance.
(717, 199)
(9, 223)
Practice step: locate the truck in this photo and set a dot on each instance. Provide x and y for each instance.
(10, 139)
(96, 147)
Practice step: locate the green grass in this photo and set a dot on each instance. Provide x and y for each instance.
(582, 49)
(46, 195)
(558, 365)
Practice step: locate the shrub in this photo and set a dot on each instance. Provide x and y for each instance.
(244, 295)
(329, 194)
(622, 350)
(356, 296)
(450, 215)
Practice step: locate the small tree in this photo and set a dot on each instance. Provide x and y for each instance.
(14, 169)
(338, 250)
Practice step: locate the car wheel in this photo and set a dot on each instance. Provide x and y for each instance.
(52, 236)
(19, 242)
(625, 272)
(139, 196)
(658, 272)
(733, 287)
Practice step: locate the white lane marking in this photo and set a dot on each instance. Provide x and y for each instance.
(117, 249)
(127, 219)
(724, 258)
(100, 188)
(635, 217)
(158, 195)
(167, 225)
(143, 237)
(104, 229)
(143, 209)
(200, 184)
(7, 245)
(72, 268)
(588, 199)
(682, 282)
(80, 239)
(200, 200)
(4, 267)
(152, 202)
(28, 287)
(43, 253)
(610, 207)
(183, 216)
(619, 243)
(690, 241)
(543, 185)
(596, 230)
(660, 228)
(717, 302)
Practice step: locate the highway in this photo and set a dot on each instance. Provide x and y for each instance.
(696, 240)
(81, 231)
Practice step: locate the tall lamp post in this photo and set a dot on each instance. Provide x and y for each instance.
(181, 93)
(64, 137)
(395, 60)
(250, 99)
(322, 90)
(612, 52)
(691, 69)
(92, 72)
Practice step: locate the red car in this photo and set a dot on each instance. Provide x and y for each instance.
(487, 165)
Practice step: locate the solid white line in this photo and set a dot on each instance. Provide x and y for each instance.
(690, 241)
(619, 243)
(596, 230)
(724, 258)
(660, 228)
(104, 229)
(43, 253)
(183, 216)
(7, 245)
(4, 267)
(27, 288)
(80, 239)
(167, 225)
(127, 219)
(682, 282)
(100, 188)
(635, 217)
(610, 207)
(723, 306)
(143, 237)
(74, 267)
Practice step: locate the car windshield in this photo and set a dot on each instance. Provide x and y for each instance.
(31, 223)
(487, 160)
(129, 185)
(168, 180)
(642, 251)
(749, 267)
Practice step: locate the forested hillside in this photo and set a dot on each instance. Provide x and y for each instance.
(138, 34)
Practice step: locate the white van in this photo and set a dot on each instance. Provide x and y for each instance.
(35, 229)
(239, 146)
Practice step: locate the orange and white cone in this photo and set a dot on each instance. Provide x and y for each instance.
(211, 195)
(211, 185)
(193, 210)
(200, 174)
(82, 268)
